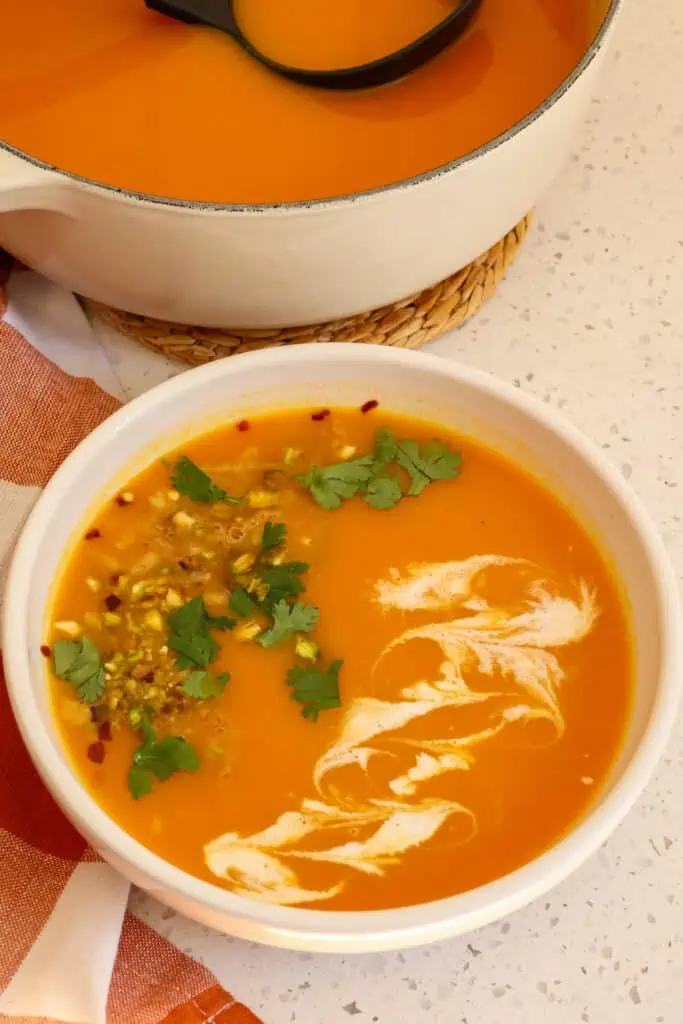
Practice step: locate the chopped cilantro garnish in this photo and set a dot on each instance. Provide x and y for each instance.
(274, 535)
(79, 663)
(201, 684)
(316, 689)
(433, 461)
(242, 603)
(190, 635)
(383, 492)
(333, 484)
(289, 619)
(283, 581)
(160, 759)
(193, 482)
(368, 475)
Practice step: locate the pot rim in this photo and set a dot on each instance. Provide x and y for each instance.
(349, 198)
(318, 929)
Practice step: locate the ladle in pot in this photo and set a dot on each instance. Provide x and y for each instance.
(220, 14)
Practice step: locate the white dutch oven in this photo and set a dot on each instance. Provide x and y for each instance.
(415, 384)
(275, 266)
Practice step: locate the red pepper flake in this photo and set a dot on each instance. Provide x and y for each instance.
(93, 534)
(98, 713)
(104, 732)
(45, 650)
(115, 579)
(112, 602)
(243, 425)
(322, 415)
(369, 406)
(184, 564)
(120, 500)
(148, 677)
(96, 752)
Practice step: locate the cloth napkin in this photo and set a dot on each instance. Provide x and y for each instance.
(69, 949)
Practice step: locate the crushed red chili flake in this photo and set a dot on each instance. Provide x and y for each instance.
(92, 534)
(148, 677)
(120, 500)
(322, 415)
(369, 405)
(115, 579)
(243, 425)
(184, 565)
(45, 650)
(112, 602)
(98, 713)
(96, 752)
(104, 732)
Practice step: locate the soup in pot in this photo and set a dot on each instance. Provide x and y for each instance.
(316, 658)
(122, 95)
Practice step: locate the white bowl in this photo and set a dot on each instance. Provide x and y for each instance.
(462, 399)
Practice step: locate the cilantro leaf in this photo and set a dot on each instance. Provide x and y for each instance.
(283, 581)
(316, 689)
(193, 482)
(242, 603)
(383, 492)
(158, 759)
(332, 484)
(289, 619)
(274, 535)
(190, 635)
(434, 461)
(79, 663)
(386, 446)
(202, 685)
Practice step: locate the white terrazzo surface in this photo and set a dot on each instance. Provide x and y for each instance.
(591, 320)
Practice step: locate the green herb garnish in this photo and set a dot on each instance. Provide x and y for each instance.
(368, 474)
(274, 535)
(190, 635)
(242, 603)
(316, 689)
(158, 759)
(193, 482)
(79, 663)
(283, 581)
(202, 684)
(289, 619)
(333, 484)
(426, 464)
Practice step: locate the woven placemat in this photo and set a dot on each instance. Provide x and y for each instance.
(409, 323)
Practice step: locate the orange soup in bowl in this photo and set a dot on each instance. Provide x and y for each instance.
(122, 95)
(341, 659)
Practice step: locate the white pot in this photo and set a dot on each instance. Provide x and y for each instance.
(416, 384)
(275, 266)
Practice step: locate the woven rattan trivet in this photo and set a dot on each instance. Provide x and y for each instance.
(409, 323)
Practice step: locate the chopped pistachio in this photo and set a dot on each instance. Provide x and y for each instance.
(112, 619)
(93, 584)
(93, 620)
(346, 451)
(72, 629)
(292, 455)
(173, 598)
(257, 587)
(243, 563)
(127, 498)
(306, 648)
(182, 520)
(173, 494)
(135, 717)
(158, 500)
(246, 630)
(153, 620)
(139, 589)
(262, 499)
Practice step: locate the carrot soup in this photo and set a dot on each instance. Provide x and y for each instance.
(339, 658)
(119, 94)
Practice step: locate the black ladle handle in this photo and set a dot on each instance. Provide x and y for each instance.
(220, 14)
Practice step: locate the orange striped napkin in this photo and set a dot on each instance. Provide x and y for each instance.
(69, 949)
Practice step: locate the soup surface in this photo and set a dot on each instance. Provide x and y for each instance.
(429, 663)
(122, 95)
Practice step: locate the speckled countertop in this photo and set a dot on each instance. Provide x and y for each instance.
(591, 320)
